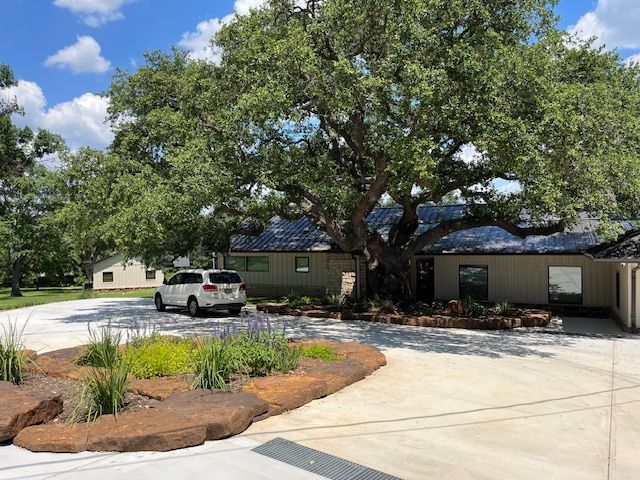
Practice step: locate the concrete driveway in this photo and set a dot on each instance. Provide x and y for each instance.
(450, 404)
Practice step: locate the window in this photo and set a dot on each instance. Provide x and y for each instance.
(192, 278)
(238, 264)
(107, 277)
(565, 285)
(150, 274)
(618, 289)
(224, 277)
(302, 264)
(177, 279)
(474, 282)
(257, 264)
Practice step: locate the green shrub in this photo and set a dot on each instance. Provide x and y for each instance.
(472, 308)
(323, 352)
(105, 390)
(103, 350)
(502, 308)
(158, 356)
(213, 364)
(293, 300)
(364, 305)
(12, 360)
(288, 358)
(437, 306)
(333, 299)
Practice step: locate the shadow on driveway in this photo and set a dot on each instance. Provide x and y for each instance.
(141, 314)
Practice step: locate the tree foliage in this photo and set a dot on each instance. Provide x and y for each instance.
(28, 194)
(329, 107)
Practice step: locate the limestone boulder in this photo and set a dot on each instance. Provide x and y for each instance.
(19, 409)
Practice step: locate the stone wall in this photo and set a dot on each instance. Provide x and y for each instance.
(341, 276)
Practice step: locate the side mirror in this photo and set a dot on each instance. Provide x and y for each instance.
(164, 281)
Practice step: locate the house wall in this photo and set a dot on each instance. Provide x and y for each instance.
(521, 278)
(130, 274)
(624, 313)
(328, 273)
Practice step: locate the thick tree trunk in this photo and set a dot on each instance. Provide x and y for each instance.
(389, 277)
(16, 272)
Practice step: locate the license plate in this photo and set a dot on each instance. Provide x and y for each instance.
(228, 290)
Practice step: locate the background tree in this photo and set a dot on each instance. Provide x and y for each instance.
(27, 196)
(87, 178)
(331, 106)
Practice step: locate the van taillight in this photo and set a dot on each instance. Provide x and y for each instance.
(207, 287)
(243, 287)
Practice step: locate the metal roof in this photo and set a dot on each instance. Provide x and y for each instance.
(626, 247)
(300, 235)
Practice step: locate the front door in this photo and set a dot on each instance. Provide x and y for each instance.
(425, 280)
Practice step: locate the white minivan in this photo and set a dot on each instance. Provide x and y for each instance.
(200, 290)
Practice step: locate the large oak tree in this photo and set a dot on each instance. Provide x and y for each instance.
(330, 106)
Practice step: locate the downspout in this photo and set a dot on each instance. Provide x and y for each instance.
(634, 297)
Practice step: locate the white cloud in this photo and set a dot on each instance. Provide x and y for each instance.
(94, 12)
(81, 57)
(633, 59)
(198, 43)
(80, 121)
(614, 22)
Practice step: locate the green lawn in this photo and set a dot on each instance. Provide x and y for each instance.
(32, 297)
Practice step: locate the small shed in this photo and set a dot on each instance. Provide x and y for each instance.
(117, 273)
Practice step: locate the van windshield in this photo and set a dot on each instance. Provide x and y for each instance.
(224, 277)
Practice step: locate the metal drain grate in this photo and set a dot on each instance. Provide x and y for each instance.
(317, 462)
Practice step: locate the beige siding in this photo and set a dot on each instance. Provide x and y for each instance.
(522, 278)
(328, 273)
(130, 274)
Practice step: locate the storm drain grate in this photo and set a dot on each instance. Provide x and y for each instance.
(317, 462)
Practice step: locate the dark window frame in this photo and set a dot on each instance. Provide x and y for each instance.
(618, 285)
(308, 267)
(148, 272)
(104, 280)
(485, 267)
(549, 267)
(259, 256)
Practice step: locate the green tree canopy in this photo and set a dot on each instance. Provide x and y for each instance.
(329, 107)
(28, 194)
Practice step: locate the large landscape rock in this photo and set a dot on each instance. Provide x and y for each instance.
(60, 363)
(183, 417)
(19, 409)
(159, 388)
(55, 437)
(182, 420)
(286, 392)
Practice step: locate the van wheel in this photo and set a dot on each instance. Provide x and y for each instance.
(192, 306)
(235, 311)
(160, 306)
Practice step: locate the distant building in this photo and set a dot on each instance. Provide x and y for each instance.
(116, 273)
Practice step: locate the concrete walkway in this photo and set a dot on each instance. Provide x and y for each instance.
(450, 404)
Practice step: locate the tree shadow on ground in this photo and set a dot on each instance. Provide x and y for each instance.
(141, 314)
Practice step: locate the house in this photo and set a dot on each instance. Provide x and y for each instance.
(117, 273)
(572, 271)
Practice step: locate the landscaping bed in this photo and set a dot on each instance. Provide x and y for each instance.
(450, 316)
(172, 401)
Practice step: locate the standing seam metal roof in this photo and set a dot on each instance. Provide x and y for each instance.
(301, 235)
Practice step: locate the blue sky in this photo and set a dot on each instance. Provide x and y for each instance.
(65, 51)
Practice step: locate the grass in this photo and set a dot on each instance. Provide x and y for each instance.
(32, 297)
(12, 361)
